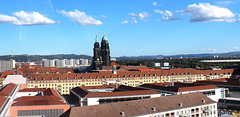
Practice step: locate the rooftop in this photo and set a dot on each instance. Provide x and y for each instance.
(140, 107)
(160, 86)
(7, 90)
(121, 90)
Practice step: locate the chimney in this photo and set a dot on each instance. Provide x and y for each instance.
(114, 69)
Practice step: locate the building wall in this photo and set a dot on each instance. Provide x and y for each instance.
(214, 97)
(188, 111)
(16, 79)
(14, 109)
(95, 100)
(7, 65)
(64, 85)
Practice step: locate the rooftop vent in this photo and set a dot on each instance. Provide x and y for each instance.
(153, 109)
(122, 113)
(203, 101)
(180, 104)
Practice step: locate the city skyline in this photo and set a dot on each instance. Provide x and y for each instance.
(133, 28)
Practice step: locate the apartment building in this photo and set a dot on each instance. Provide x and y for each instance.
(7, 65)
(64, 82)
(184, 105)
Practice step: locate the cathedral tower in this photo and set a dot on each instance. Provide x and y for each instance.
(97, 59)
(105, 51)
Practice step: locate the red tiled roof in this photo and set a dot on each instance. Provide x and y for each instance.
(2, 101)
(8, 89)
(121, 93)
(44, 70)
(37, 100)
(5, 73)
(140, 107)
(160, 86)
(32, 90)
(53, 92)
(83, 91)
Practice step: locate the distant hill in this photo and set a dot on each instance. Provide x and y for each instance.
(26, 58)
(204, 55)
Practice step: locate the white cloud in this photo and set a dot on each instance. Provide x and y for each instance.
(154, 3)
(134, 21)
(208, 50)
(205, 12)
(26, 18)
(237, 48)
(81, 18)
(140, 16)
(103, 16)
(224, 2)
(167, 15)
(126, 21)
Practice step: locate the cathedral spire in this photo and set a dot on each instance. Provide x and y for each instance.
(96, 40)
(104, 37)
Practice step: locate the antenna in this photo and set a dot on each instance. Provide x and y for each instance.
(12, 52)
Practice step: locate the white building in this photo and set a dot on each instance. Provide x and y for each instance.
(184, 105)
(60, 63)
(94, 95)
(7, 65)
(64, 63)
(83, 61)
(213, 92)
(16, 79)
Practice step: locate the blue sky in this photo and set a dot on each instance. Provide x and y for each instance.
(133, 27)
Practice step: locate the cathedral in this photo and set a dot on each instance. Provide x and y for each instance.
(101, 55)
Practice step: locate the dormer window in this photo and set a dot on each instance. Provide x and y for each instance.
(124, 75)
(58, 78)
(43, 78)
(173, 74)
(104, 76)
(90, 77)
(66, 77)
(74, 78)
(180, 104)
(51, 78)
(82, 77)
(153, 108)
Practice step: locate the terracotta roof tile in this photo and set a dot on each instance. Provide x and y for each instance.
(178, 89)
(8, 89)
(2, 101)
(140, 107)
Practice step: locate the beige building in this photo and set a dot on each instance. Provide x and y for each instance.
(64, 82)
